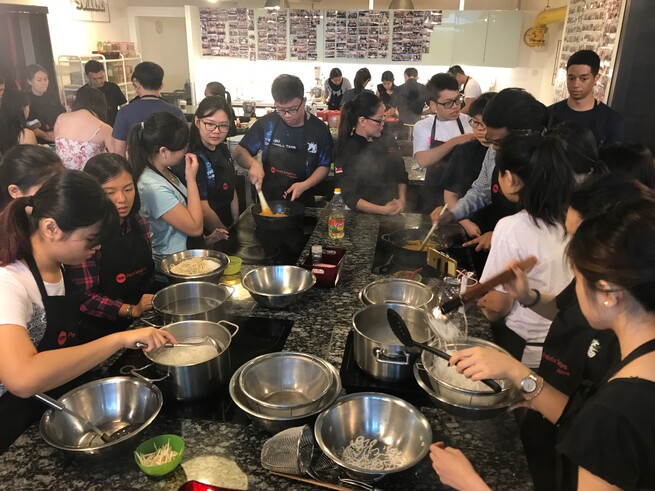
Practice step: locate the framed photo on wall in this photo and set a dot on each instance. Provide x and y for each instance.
(90, 10)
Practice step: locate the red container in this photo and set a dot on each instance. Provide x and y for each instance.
(328, 270)
(322, 114)
(333, 118)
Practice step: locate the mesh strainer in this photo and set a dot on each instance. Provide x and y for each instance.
(290, 451)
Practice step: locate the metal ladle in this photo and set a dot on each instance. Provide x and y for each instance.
(202, 341)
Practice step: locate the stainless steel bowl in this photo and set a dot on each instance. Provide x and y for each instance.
(400, 291)
(109, 403)
(278, 287)
(460, 395)
(192, 300)
(274, 424)
(286, 383)
(213, 277)
(387, 419)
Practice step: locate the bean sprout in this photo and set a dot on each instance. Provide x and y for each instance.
(160, 456)
(364, 454)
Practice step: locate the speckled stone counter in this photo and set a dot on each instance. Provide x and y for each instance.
(228, 454)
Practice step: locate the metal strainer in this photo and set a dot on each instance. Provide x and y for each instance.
(290, 451)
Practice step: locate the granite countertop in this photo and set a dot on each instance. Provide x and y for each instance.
(227, 454)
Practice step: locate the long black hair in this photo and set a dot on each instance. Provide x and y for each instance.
(72, 198)
(12, 118)
(92, 100)
(106, 166)
(516, 110)
(27, 166)
(208, 107)
(581, 148)
(217, 88)
(361, 78)
(160, 129)
(547, 175)
(632, 159)
(364, 105)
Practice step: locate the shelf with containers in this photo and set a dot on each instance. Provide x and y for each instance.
(70, 69)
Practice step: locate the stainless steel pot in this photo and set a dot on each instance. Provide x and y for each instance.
(193, 381)
(109, 403)
(396, 290)
(191, 300)
(221, 259)
(377, 351)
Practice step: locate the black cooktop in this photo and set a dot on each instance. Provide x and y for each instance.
(258, 246)
(256, 336)
(384, 261)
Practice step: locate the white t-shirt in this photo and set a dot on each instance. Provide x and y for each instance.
(472, 89)
(443, 131)
(21, 303)
(517, 236)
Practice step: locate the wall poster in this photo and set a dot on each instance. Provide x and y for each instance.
(303, 29)
(272, 35)
(228, 32)
(411, 33)
(356, 34)
(590, 25)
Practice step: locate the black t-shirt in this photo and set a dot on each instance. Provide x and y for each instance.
(573, 350)
(46, 108)
(115, 98)
(605, 123)
(385, 97)
(463, 167)
(216, 180)
(611, 435)
(410, 98)
(369, 170)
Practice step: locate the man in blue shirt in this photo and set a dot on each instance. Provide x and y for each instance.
(148, 78)
(296, 146)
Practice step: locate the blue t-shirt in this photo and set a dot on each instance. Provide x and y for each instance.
(318, 140)
(158, 196)
(137, 111)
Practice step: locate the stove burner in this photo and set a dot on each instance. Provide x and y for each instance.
(257, 253)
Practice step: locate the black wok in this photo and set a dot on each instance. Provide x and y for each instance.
(396, 241)
(294, 210)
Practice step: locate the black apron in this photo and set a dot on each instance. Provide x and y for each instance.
(284, 167)
(432, 190)
(336, 94)
(220, 185)
(122, 275)
(62, 322)
(568, 473)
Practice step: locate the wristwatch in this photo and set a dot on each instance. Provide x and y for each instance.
(531, 386)
(128, 312)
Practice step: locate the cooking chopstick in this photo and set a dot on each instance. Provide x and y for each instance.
(433, 228)
(480, 289)
(312, 481)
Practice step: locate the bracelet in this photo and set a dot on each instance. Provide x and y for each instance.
(128, 312)
(534, 302)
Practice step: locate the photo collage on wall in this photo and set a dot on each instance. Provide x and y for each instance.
(228, 32)
(303, 28)
(272, 35)
(411, 33)
(590, 25)
(356, 34)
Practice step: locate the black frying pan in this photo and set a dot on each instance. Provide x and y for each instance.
(294, 210)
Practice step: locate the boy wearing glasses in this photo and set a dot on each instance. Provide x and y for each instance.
(148, 81)
(296, 146)
(436, 137)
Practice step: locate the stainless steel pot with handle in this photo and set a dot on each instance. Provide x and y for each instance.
(376, 349)
(191, 380)
(191, 300)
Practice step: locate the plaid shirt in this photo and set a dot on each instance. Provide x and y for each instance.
(87, 277)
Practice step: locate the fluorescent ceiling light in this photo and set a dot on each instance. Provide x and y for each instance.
(276, 4)
(401, 5)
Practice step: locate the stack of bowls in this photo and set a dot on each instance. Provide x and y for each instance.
(459, 401)
(399, 291)
(286, 389)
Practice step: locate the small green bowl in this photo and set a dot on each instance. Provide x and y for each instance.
(152, 445)
(234, 267)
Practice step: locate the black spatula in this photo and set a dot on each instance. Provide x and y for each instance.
(399, 328)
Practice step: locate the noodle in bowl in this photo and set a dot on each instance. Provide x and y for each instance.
(194, 266)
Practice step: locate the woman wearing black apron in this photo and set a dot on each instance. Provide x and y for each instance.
(118, 280)
(216, 175)
(64, 222)
(606, 434)
(334, 88)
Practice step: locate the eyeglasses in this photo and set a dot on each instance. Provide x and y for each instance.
(478, 125)
(378, 121)
(211, 126)
(452, 102)
(290, 112)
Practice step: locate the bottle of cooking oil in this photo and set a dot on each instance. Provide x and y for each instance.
(337, 216)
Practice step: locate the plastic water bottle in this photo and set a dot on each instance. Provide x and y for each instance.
(337, 216)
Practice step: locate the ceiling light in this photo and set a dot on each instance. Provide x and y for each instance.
(276, 4)
(401, 5)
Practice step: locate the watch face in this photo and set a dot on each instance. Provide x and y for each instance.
(528, 384)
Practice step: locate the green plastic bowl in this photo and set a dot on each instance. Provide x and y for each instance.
(152, 445)
(234, 267)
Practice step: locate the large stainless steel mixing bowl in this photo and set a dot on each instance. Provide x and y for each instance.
(391, 421)
(396, 290)
(110, 404)
(218, 257)
(278, 287)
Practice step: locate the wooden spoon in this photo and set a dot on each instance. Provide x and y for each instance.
(262, 200)
(433, 228)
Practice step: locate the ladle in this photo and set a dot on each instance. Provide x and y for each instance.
(399, 328)
(202, 341)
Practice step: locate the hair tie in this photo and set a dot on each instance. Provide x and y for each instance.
(30, 201)
(141, 131)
